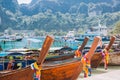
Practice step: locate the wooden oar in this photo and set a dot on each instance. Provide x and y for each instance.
(112, 39)
(93, 48)
(45, 48)
(83, 44)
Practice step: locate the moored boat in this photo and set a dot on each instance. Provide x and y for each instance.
(97, 57)
(61, 70)
(114, 59)
(64, 68)
(56, 70)
(101, 30)
(69, 54)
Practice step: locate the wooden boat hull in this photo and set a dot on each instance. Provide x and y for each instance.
(114, 59)
(22, 74)
(69, 71)
(61, 70)
(96, 59)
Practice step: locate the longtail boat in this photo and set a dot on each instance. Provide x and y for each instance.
(50, 71)
(68, 69)
(114, 59)
(70, 55)
(52, 58)
(22, 74)
(97, 57)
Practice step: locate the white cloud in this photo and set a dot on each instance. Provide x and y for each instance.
(24, 1)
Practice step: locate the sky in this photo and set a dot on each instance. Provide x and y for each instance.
(24, 1)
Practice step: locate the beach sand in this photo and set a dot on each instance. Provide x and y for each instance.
(113, 73)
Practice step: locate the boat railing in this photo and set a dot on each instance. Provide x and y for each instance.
(20, 63)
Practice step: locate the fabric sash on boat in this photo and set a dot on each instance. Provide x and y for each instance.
(37, 70)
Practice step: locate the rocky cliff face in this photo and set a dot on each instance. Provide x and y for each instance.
(63, 13)
(11, 5)
(72, 6)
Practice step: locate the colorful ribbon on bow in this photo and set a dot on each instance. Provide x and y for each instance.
(78, 53)
(86, 66)
(105, 55)
(37, 70)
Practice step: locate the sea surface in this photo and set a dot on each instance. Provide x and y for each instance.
(36, 43)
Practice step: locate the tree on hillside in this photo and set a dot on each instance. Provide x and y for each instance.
(117, 28)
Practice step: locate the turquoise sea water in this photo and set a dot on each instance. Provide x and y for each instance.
(36, 43)
(26, 42)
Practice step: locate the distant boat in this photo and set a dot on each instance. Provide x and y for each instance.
(82, 36)
(69, 37)
(91, 37)
(11, 38)
(95, 31)
(18, 38)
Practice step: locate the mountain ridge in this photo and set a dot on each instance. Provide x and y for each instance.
(48, 15)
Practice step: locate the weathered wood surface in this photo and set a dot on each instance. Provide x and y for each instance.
(66, 71)
(96, 59)
(114, 59)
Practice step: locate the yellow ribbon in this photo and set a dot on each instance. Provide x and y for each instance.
(78, 53)
(86, 64)
(106, 57)
(38, 69)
